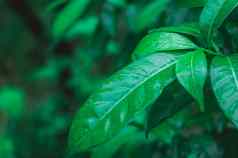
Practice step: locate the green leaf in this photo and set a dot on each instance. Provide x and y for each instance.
(213, 15)
(149, 14)
(118, 3)
(173, 99)
(12, 101)
(68, 16)
(162, 42)
(83, 27)
(191, 3)
(50, 71)
(53, 5)
(191, 71)
(192, 29)
(119, 99)
(113, 48)
(224, 77)
(6, 147)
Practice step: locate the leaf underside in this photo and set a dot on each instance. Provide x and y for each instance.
(173, 99)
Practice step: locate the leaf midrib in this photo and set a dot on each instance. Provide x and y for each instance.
(192, 68)
(213, 22)
(216, 16)
(233, 72)
(128, 93)
(138, 85)
(227, 13)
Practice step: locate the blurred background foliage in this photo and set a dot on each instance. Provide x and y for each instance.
(53, 54)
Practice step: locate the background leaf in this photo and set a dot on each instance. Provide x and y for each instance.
(85, 26)
(203, 146)
(118, 3)
(191, 3)
(68, 16)
(149, 14)
(6, 147)
(12, 101)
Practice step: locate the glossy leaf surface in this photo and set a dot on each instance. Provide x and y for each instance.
(213, 15)
(191, 71)
(68, 16)
(224, 76)
(191, 29)
(162, 42)
(119, 99)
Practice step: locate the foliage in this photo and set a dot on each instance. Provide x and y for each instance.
(174, 93)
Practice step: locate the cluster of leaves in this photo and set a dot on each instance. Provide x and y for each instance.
(54, 54)
(194, 55)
